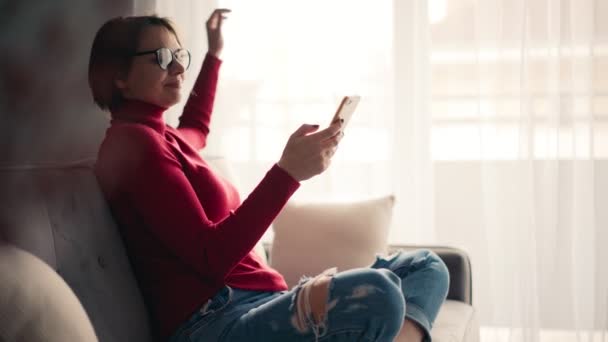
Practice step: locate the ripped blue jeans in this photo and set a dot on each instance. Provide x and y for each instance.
(364, 304)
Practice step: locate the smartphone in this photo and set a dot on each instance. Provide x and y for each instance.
(346, 109)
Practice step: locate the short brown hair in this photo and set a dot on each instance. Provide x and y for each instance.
(112, 52)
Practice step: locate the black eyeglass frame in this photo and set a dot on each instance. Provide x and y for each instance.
(173, 55)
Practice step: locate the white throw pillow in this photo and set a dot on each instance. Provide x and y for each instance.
(36, 305)
(309, 238)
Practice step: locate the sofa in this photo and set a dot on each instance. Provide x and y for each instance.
(65, 275)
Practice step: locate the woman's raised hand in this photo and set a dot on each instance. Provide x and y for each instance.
(307, 153)
(215, 39)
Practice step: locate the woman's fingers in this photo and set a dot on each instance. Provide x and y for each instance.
(215, 19)
(327, 133)
(331, 142)
(330, 146)
(221, 16)
(304, 130)
(307, 154)
(215, 41)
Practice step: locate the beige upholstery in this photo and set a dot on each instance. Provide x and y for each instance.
(36, 304)
(456, 322)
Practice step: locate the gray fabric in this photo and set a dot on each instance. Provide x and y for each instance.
(60, 216)
(24, 220)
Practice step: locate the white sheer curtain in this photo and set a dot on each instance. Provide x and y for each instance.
(517, 88)
(487, 118)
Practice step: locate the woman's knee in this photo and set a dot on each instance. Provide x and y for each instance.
(435, 269)
(368, 282)
(378, 291)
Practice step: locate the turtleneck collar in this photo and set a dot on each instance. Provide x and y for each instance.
(141, 112)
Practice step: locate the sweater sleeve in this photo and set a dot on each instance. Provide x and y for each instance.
(169, 207)
(196, 117)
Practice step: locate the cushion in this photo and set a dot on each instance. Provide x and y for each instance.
(36, 304)
(311, 237)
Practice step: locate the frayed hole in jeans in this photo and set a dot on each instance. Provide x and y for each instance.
(308, 293)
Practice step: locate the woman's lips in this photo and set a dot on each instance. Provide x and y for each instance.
(175, 85)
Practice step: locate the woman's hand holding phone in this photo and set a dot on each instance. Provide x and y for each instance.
(308, 152)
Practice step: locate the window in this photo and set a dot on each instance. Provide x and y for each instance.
(291, 65)
(504, 89)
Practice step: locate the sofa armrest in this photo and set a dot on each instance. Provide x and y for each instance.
(459, 266)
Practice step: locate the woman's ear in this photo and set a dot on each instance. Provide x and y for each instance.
(120, 83)
(120, 80)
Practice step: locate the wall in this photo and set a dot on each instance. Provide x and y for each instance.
(46, 110)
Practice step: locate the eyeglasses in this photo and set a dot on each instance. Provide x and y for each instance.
(164, 57)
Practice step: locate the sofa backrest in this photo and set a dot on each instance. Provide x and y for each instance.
(59, 214)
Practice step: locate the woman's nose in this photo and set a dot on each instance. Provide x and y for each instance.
(176, 68)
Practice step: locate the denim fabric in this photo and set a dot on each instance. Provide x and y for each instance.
(364, 304)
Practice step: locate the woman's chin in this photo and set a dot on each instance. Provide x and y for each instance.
(170, 99)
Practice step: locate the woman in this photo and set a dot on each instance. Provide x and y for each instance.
(190, 237)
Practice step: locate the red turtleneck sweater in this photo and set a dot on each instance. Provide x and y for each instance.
(186, 230)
